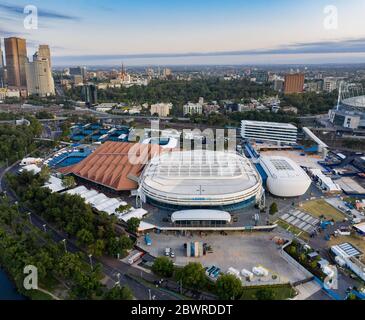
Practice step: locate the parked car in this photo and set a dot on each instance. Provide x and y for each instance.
(167, 252)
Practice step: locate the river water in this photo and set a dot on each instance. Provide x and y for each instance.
(7, 288)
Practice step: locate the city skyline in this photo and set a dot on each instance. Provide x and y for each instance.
(141, 33)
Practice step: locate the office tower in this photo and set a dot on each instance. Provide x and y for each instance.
(45, 53)
(39, 77)
(2, 68)
(78, 71)
(91, 94)
(261, 76)
(294, 83)
(16, 58)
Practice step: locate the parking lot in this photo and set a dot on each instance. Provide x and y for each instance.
(237, 250)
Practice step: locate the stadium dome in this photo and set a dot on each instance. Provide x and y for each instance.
(199, 179)
(284, 177)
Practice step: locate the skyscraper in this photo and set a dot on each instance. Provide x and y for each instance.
(91, 94)
(294, 83)
(39, 77)
(2, 68)
(16, 58)
(45, 53)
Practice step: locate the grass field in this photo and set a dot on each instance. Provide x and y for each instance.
(279, 292)
(317, 208)
(299, 233)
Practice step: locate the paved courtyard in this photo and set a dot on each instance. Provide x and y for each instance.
(237, 250)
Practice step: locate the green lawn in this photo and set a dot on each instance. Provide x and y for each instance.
(38, 295)
(317, 208)
(280, 292)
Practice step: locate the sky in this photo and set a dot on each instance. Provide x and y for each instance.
(166, 32)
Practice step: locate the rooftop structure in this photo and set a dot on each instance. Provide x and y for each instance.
(200, 178)
(350, 110)
(110, 165)
(284, 177)
(55, 184)
(269, 131)
(97, 200)
(200, 216)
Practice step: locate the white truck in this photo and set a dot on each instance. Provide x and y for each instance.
(135, 257)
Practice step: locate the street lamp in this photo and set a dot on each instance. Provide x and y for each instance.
(45, 228)
(118, 282)
(30, 217)
(149, 294)
(64, 244)
(91, 261)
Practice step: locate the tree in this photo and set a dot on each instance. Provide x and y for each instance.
(68, 182)
(265, 294)
(273, 208)
(228, 287)
(192, 275)
(118, 245)
(133, 224)
(123, 208)
(84, 237)
(45, 174)
(118, 293)
(97, 249)
(163, 266)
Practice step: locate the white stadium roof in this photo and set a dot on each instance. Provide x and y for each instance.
(200, 177)
(285, 177)
(201, 214)
(358, 102)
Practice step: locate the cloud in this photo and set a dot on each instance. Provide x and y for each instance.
(320, 47)
(4, 32)
(19, 10)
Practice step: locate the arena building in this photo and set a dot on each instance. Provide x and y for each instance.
(284, 177)
(350, 113)
(200, 179)
(110, 165)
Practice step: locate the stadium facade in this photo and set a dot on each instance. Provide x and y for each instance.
(349, 113)
(200, 179)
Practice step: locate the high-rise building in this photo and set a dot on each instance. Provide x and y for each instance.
(16, 58)
(45, 53)
(39, 77)
(91, 94)
(2, 68)
(78, 71)
(260, 76)
(294, 83)
(330, 84)
(278, 85)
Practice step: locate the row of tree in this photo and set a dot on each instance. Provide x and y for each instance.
(70, 213)
(22, 244)
(17, 141)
